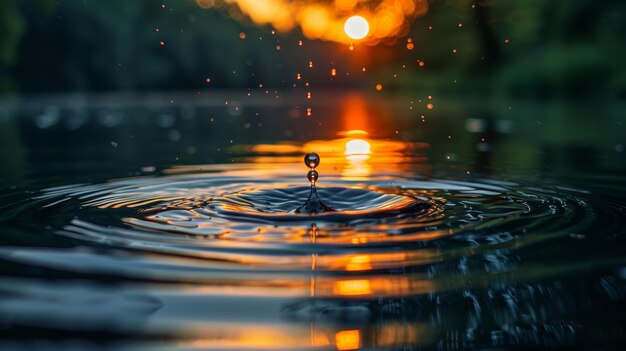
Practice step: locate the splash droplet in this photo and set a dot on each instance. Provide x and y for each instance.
(312, 160)
(313, 176)
(313, 205)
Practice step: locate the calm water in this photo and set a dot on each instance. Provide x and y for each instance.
(166, 222)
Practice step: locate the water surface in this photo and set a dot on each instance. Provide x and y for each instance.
(156, 228)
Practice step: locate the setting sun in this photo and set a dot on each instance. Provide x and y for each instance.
(356, 27)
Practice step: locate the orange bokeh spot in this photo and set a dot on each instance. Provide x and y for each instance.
(348, 340)
(354, 287)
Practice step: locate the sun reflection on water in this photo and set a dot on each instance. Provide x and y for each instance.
(352, 287)
(352, 157)
(348, 340)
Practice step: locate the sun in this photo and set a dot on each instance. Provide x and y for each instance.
(356, 27)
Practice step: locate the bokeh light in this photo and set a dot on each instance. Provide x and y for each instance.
(328, 20)
(356, 27)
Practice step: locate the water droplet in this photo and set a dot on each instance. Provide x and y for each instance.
(313, 205)
(312, 176)
(312, 160)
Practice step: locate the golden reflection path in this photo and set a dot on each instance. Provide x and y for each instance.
(353, 157)
(286, 336)
(355, 153)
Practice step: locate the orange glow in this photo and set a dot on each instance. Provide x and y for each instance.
(356, 27)
(355, 114)
(354, 157)
(359, 263)
(357, 147)
(328, 20)
(356, 133)
(319, 339)
(355, 154)
(387, 334)
(348, 340)
(275, 148)
(345, 5)
(353, 287)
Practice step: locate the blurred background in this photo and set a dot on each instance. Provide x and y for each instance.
(93, 85)
(533, 48)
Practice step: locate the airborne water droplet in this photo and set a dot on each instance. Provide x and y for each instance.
(313, 204)
(312, 176)
(312, 160)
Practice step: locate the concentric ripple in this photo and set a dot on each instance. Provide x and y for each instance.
(207, 250)
(195, 226)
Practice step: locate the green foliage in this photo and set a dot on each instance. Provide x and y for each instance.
(521, 47)
(11, 29)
